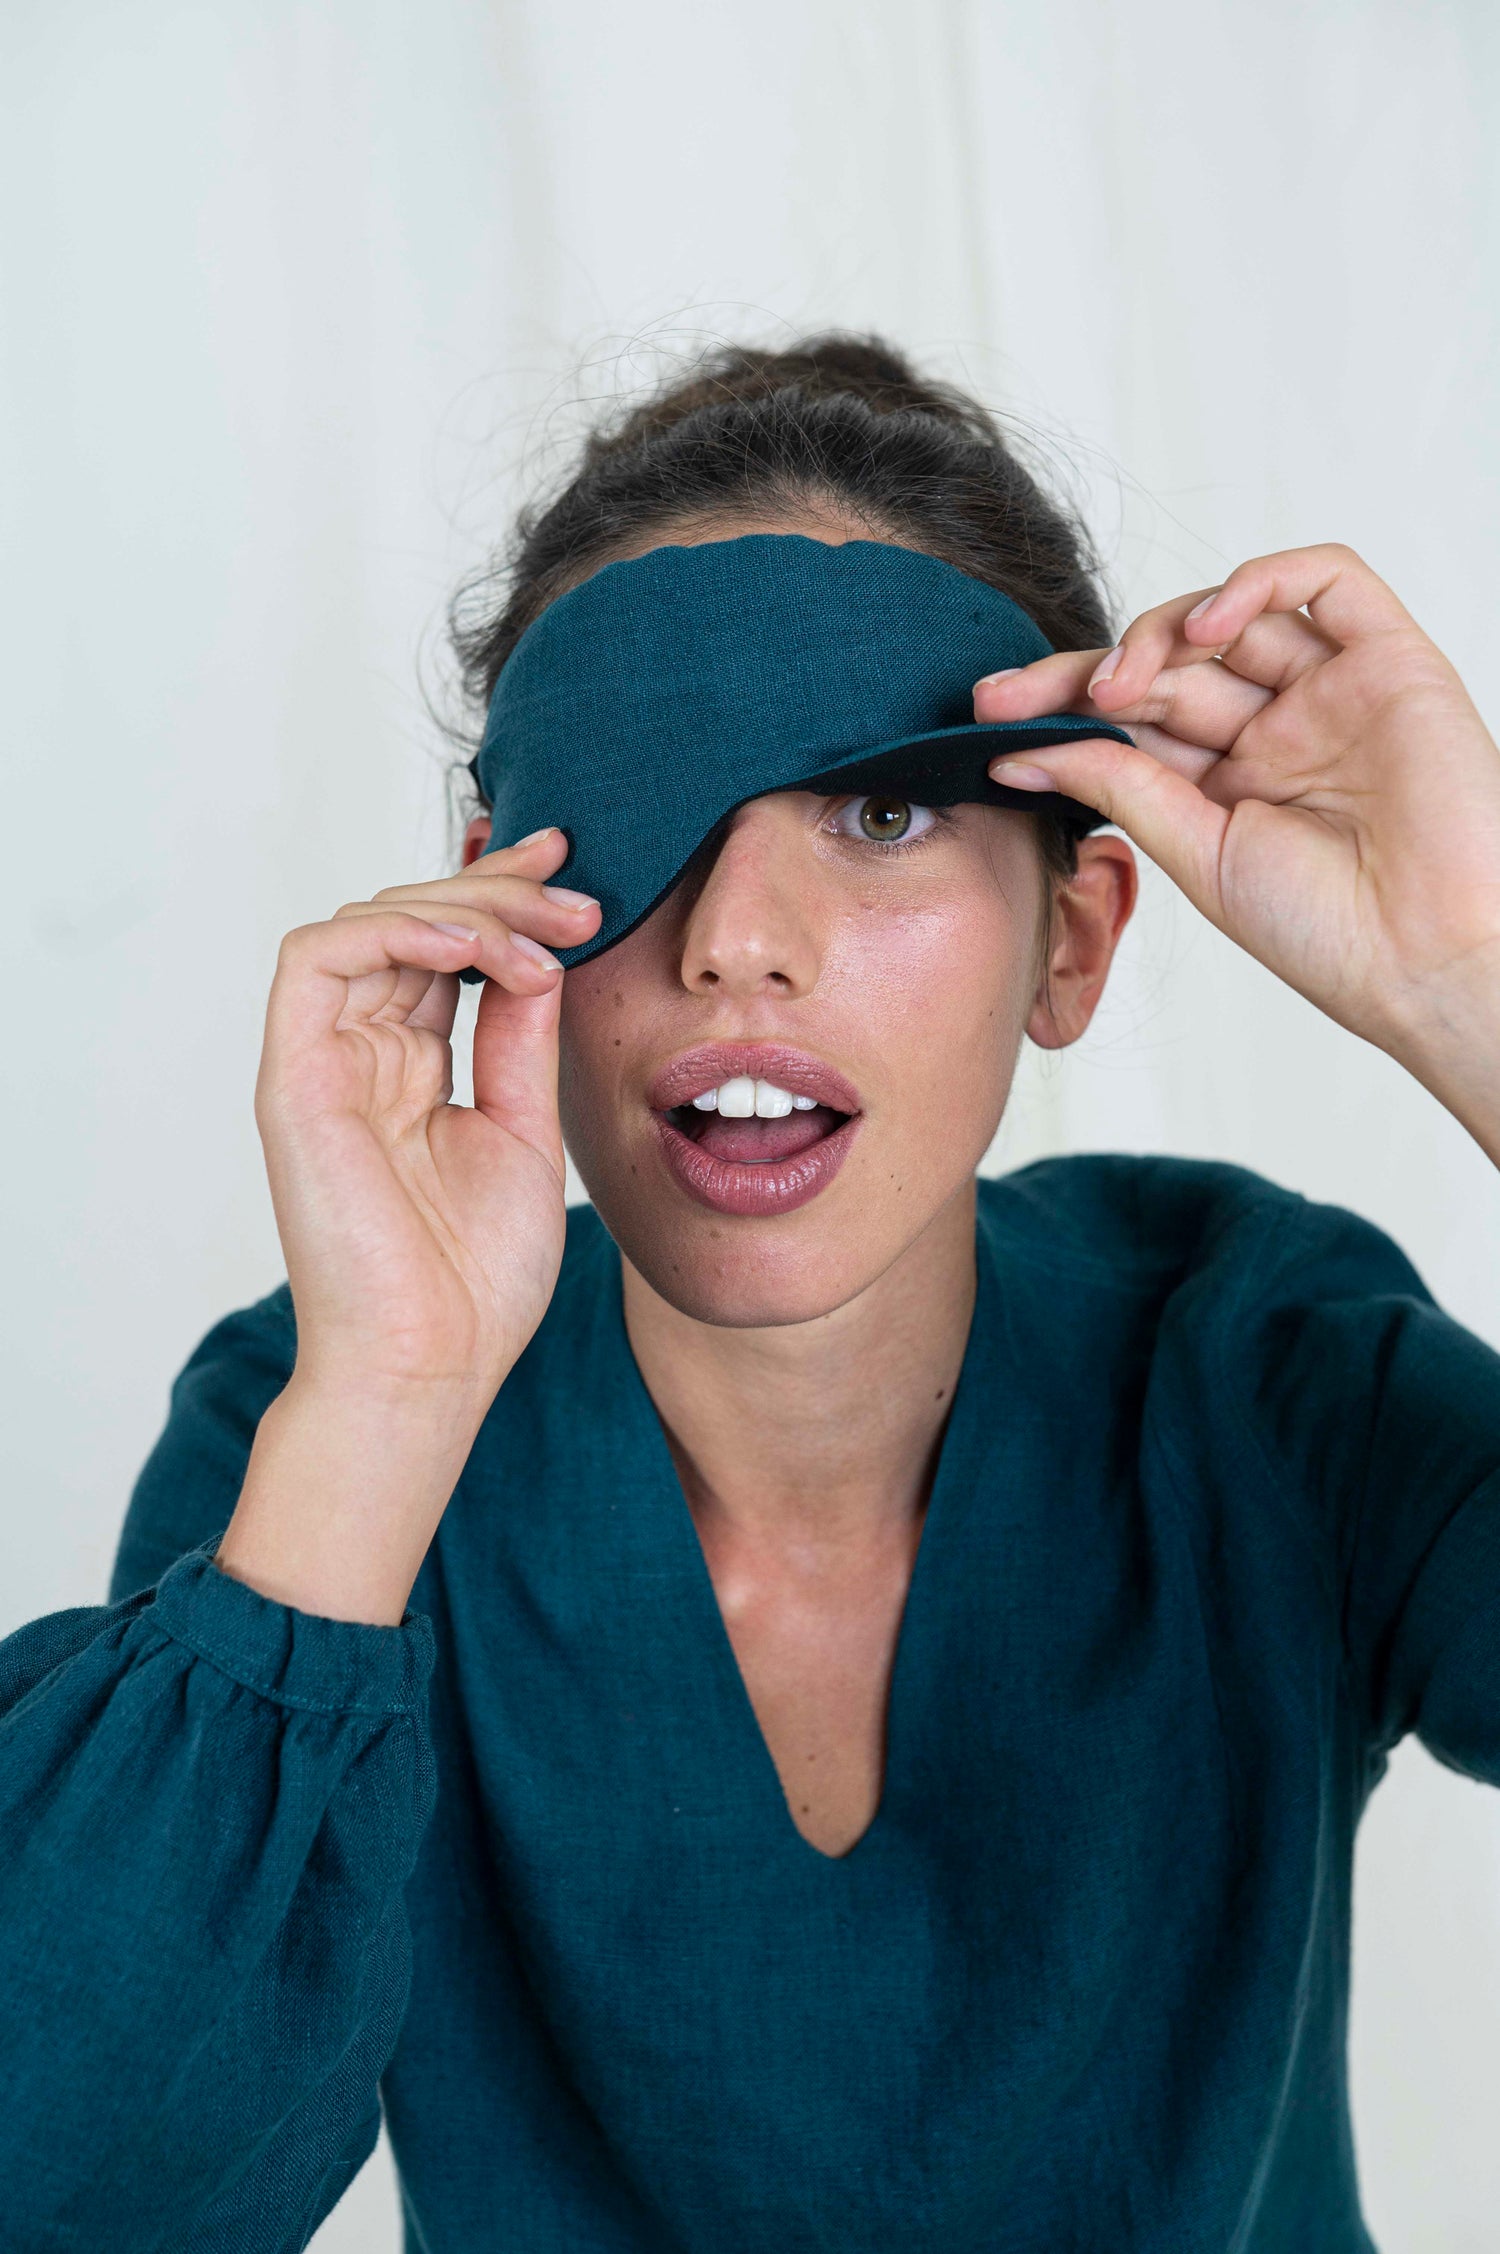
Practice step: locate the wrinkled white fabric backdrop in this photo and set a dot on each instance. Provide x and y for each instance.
(292, 298)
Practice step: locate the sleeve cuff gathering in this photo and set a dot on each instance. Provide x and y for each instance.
(295, 1658)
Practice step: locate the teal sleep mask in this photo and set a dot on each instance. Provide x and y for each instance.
(643, 706)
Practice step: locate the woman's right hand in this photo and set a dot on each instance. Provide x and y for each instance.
(422, 1238)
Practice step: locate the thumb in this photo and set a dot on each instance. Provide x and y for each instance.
(1162, 812)
(515, 1066)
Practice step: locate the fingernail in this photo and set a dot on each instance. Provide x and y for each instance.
(1207, 604)
(1004, 674)
(1021, 778)
(535, 834)
(1106, 667)
(537, 954)
(567, 899)
(459, 931)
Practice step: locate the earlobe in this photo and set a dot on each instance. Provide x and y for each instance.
(1044, 1027)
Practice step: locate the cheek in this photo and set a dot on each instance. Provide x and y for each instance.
(592, 1033)
(944, 988)
(615, 1012)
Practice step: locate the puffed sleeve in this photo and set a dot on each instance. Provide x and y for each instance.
(1386, 1412)
(210, 1805)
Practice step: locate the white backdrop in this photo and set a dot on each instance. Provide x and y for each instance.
(293, 296)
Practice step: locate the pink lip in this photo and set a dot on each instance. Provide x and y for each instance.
(796, 1070)
(775, 1185)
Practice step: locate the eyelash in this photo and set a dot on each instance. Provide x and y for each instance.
(940, 814)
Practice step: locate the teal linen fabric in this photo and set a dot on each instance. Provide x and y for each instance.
(647, 703)
(1216, 1522)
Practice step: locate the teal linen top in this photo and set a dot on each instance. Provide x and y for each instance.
(1216, 1521)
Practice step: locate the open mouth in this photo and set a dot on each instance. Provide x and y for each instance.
(754, 1130)
(753, 1141)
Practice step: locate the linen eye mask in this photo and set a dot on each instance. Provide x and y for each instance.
(642, 707)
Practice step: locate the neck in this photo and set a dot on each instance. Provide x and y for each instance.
(826, 1429)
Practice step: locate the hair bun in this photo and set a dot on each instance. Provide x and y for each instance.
(833, 365)
(835, 429)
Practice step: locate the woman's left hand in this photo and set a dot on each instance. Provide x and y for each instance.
(1310, 769)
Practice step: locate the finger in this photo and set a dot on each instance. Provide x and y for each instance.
(543, 849)
(1162, 811)
(435, 1011)
(393, 996)
(1201, 701)
(1058, 683)
(515, 1066)
(1155, 644)
(1158, 672)
(1195, 760)
(1273, 652)
(320, 964)
(1124, 674)
(534, 859)
(513, 957)
(1223, 779)
(1205, 705)
(1346, 600)
(552, 913)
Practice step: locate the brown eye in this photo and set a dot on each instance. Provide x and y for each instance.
(883, 821)
(884, 818)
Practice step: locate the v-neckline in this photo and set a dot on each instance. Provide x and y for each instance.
(681, 1533)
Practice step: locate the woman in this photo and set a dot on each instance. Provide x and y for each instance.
(815, 1702)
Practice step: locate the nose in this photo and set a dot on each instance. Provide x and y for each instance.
(752, 925)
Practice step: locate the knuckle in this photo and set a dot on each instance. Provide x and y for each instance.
(1157, 705)
(1408, 664)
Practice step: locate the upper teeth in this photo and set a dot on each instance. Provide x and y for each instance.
(745, 1098)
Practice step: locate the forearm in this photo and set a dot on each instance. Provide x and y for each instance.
(343, 1494)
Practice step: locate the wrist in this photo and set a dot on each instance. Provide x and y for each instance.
(1447, 1035)
(404, 1352)
(426, 1408)
(344, 1491)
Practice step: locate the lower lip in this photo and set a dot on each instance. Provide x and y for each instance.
(779, 1185)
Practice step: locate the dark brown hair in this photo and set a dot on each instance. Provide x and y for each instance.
(838, 425)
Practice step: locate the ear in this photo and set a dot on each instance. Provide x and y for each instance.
(1090, 911)
(476, 838)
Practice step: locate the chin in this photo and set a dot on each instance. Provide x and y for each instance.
(740, 1281)
(747, 1275)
